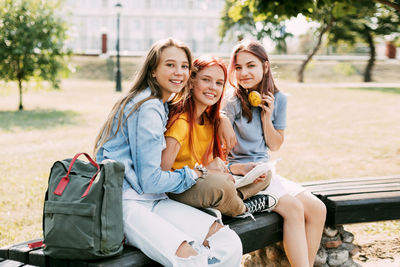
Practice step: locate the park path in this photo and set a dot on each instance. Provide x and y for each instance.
(338, 84)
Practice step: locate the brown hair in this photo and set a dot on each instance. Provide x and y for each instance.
(267, 83)
(143, 80)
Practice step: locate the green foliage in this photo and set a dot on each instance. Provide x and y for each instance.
(371, 19)
(240, 17)
(32, 36)
(244, 14)
(266, 18)
(343, 20)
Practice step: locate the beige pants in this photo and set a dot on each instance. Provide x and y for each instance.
(216, 190)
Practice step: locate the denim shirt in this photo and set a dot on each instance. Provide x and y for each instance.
(139, 144)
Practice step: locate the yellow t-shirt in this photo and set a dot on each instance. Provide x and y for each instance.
(202, 136)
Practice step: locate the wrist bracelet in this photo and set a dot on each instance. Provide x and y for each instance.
(228, 166)
(202, 169)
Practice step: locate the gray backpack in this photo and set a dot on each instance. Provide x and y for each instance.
(82, 215)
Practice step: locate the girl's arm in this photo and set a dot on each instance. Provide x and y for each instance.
(169, 153)
(226, 134)
(273, 137)
(146, 135)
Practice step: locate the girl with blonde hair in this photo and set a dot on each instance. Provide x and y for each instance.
(167, 231)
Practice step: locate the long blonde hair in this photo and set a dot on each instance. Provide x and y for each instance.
(143, 80)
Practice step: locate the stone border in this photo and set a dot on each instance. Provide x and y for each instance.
(336, 249)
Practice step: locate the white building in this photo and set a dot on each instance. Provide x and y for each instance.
(143, 22)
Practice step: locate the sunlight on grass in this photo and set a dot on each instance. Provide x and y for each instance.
(36, 119)
(392, 90)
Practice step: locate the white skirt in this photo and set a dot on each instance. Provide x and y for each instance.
(281, 186)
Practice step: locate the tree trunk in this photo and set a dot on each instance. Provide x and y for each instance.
(371, 60)
(300, 72)
(389, 3)
(21, 107)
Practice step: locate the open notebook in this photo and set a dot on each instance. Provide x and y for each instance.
(258, 170)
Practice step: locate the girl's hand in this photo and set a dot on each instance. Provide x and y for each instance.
(242, 168)
(260, 178)
(217, 164)
(226, 134)
(267, 103)
(267, 107)
(265, 176)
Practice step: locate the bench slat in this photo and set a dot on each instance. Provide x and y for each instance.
(357, 191)
(379, 196)
(37, 258)
(18, 252)
(338, 186)
(363, 207)
(356, 211)
(130, 257)
(356, 200)
(11, 263)
(334, 187)
(319, 183)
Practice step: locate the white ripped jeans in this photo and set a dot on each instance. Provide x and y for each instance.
(159, 227)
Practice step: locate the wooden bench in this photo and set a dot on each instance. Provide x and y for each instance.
(347, 201)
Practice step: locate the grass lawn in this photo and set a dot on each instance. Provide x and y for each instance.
(334, 131)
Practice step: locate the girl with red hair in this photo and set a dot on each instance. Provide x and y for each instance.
(192, 140)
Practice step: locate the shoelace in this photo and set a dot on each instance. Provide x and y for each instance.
(258, 204)
(245, 215)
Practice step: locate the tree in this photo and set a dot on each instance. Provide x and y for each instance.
(371, 20)
(335, 17)
(325, 18)
(244, 16)
(274, 13)
(393, 4)
(32, 37)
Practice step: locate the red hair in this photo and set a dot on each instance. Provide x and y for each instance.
(267, 83)
(212, 113)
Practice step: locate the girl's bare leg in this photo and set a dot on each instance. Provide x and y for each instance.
(294, 235)
(185, 250)
(215, 227)
(314, 214)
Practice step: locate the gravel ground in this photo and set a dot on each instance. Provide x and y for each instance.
(379, 243)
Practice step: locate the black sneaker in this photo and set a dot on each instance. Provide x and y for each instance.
(260, 203)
